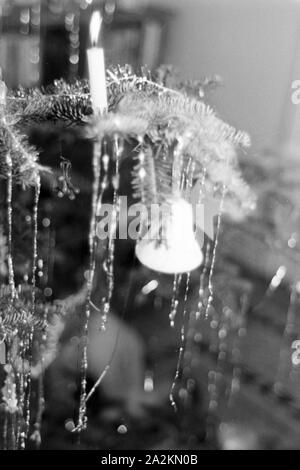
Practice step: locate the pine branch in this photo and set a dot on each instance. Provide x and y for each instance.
(16, 314)
(24, 157)
(159, 108)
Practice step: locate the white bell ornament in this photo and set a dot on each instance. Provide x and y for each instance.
(170, 245)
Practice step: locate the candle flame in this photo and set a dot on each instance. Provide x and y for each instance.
(95, 26)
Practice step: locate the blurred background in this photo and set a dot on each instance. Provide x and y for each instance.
(239, 387)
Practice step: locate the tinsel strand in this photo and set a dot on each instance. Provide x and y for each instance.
(182, 345)
(213, 261)
(11, 278)
(37, 191)
(82, 418)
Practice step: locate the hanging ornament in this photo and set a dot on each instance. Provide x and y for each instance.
(65, 185)
(170, 246)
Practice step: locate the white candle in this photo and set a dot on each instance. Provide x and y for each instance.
(96, 65)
